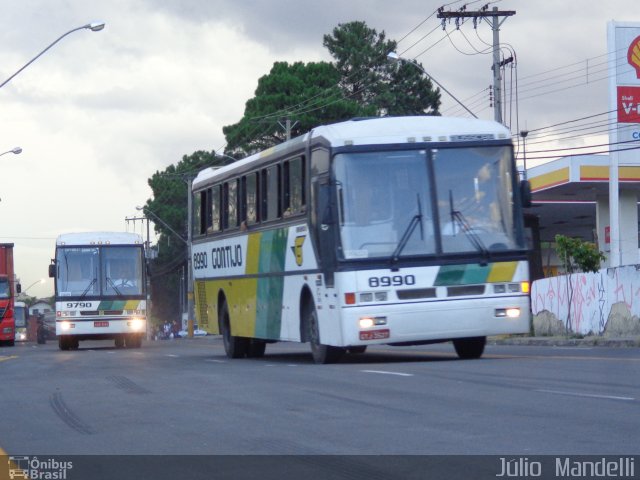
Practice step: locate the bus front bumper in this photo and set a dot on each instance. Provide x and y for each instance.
(425, 321)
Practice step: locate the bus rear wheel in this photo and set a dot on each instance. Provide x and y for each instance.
(234, 347)
(256, 348)
(322, 354)
(470, 348)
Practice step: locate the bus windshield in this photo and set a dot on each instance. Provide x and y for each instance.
(20, 314)
(385, 202)
(105, 271)
(4, 288)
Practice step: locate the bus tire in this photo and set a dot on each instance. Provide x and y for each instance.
(119, 341)
(133, 341)
(470, 348)
(357, 349)
(256, 348)
(63, 343)
(322, 354)
(234, 347)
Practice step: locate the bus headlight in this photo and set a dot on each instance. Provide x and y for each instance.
(368, 322)
(64, 326)
(511, 312)
(136, 324)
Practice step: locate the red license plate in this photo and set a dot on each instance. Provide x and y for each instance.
(374, 334)
(100, 324)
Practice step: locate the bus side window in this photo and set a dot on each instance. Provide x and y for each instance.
(232, 204)
(202, 213)
(215, 209)
(251, 198)
(271, 193)
(293, 186)
(198, 216)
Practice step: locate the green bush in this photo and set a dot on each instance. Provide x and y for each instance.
(577, 255)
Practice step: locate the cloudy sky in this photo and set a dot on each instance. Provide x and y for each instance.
(100, 112)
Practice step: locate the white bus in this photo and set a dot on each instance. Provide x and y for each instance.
(100, 288)
(400, 231)
(21, 314)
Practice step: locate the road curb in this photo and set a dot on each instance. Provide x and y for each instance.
(589, 341)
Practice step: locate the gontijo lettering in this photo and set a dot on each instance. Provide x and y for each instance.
(225, 257)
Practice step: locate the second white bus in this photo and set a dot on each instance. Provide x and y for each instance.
(100, 288)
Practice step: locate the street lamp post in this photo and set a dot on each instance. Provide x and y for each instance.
(16, 150)
(24, 290)
(395, 57)
(94, 27)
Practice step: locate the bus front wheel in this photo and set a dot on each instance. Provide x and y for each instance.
(321, 353)
(67, 342)
(470, 348)
(234, 347)
(133, 341)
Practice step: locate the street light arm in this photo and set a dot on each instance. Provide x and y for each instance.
(395, 57)
(95, 27)
(16, 151)
(147, 211)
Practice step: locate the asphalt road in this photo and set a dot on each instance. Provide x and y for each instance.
(185, 397)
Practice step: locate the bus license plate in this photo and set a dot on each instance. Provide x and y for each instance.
(374, 334)
(100, 324)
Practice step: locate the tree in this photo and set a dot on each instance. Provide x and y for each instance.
(168, 207)
(368, 76)
(574, 254)
(306, 94)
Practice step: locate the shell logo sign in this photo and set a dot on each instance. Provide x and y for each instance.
(633, 55)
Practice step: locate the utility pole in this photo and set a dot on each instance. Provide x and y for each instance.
(147, 243)
(288, 126)
(190, 307)
(147, 255)
(492, 18)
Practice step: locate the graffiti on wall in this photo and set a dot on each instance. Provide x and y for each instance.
(590, 296)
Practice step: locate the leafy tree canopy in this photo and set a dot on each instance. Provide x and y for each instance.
(370, 78)
(167, 209)
(305, 93)
(578, 255)
(360, 82)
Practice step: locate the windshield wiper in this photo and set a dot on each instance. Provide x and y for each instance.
(415, 221)
(113, 285)
(458, 217)
(86, 290)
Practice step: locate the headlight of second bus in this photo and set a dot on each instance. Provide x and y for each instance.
(66, 325)
(136, 324)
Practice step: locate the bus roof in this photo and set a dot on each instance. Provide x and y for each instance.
(99, 238)
(381, 131)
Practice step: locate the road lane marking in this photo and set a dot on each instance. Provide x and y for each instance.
(215, 361)
(172, 355)
(587, 395)
(10, 357)
(385, 372)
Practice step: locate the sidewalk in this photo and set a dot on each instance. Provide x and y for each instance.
(561, 341)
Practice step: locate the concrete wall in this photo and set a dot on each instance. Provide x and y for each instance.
(603, 303)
